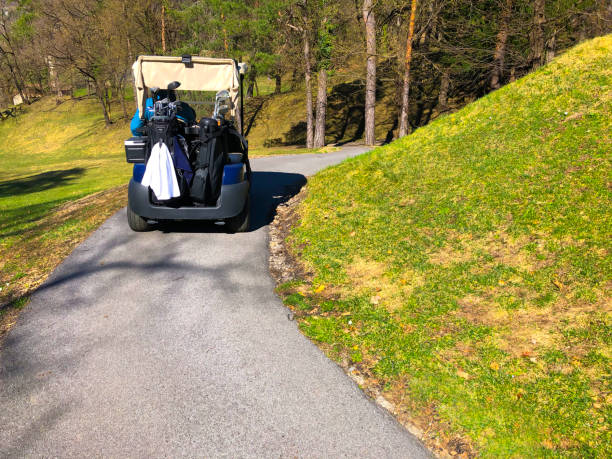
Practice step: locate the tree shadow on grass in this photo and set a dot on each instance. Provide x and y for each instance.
(13, 221)
(39, 182)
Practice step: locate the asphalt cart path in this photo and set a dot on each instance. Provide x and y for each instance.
(173, 343)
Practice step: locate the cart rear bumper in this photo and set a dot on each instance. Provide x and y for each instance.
(229, 205)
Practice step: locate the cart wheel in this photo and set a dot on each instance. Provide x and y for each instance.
(136, 222)
(240, 223)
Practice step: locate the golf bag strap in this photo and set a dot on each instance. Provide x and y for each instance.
(243, 141)
(207, 137)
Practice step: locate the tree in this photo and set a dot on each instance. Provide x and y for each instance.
(536, 35)
(403, 124)
(9, 54)
(163, 27)
(369, 20)
(300, 20)
(439, 53)
(324, 48)
(500, 44)
(82, 35)
(307, 81)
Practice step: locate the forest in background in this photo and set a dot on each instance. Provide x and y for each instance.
(431, 51)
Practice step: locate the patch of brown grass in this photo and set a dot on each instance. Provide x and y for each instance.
(372, 278)
(500, 246)
(523, 331)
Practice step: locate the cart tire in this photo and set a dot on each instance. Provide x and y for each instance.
(240, 223)
(136, 222)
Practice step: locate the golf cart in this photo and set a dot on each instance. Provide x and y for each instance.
(188, 169)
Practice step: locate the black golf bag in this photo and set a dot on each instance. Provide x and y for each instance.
(212, 156)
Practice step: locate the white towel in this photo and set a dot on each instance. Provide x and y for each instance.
(160, 174)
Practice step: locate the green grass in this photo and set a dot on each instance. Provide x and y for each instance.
(466, 269)
(278, 151)
(50, 156)
(267, 85)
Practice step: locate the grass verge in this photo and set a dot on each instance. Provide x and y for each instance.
(62, 173)
(278, 151)
(464, 271)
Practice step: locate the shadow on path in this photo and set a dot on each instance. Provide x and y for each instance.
(268, 190)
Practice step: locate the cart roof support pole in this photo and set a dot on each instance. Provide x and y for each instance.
(241, 105)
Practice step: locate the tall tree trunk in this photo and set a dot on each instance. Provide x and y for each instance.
(14, 70)
(54, 80)
(225, 46)
(121, 94)
(107, 101)
(130, 53)
(277, 87)
(403, 124)
(430, 28)
(319, 137)
(295, 81)
(123, 105)
(17, 82)
(370, 97)
(163, 28)
(100, 95)
(40, 86)
(307, 78)
(129, 48)
(443, 96)
(550, 47)
(604, 16)
(536, 36)
(429, 111)
(127, 29)
(239, 115)
(500, 45)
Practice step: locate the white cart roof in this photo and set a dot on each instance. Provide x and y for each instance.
(203, 74)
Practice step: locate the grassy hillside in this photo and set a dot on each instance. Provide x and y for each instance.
(277, 120)
(466, 270)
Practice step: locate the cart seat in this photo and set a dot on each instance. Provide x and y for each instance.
(234, 158)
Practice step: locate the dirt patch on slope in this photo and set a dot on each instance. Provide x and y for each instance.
(284, 265)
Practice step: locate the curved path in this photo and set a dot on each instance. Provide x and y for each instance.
(173, 343)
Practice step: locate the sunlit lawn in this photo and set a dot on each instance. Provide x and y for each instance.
(466, 270)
